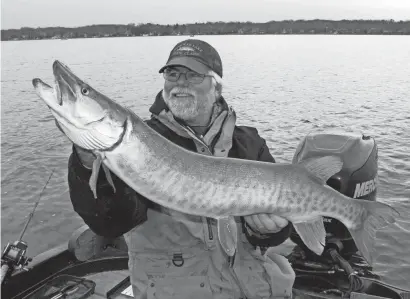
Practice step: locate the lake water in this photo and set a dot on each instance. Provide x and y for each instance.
(285, 86)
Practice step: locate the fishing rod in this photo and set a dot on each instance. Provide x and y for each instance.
(14, 254)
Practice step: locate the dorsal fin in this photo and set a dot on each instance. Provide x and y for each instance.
(324, 167)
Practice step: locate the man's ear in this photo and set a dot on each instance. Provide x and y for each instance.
(218, 91)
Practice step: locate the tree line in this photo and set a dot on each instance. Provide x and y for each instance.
(377, 27)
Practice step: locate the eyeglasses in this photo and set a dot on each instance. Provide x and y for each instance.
(191, 76)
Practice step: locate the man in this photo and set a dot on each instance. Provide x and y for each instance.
(175, 255)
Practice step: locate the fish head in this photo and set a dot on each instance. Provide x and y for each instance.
(88, 118)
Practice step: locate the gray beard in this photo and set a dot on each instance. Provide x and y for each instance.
(183, 109)
(186, 109)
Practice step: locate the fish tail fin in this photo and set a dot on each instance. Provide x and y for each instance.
(375, 216)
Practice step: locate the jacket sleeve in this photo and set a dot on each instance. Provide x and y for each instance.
(110, 214)
(273, 239)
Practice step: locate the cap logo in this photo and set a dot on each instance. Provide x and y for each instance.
(185, 49)
(188, 49)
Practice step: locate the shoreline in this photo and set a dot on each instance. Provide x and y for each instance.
(287, 27)
(230, 34)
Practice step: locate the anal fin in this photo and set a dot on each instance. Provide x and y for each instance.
(313, 234)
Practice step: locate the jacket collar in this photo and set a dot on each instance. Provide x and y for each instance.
(158, 105)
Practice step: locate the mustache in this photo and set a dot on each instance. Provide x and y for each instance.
(176, 90)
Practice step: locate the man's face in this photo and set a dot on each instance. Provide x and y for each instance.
(190, 102)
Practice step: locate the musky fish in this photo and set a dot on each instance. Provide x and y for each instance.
(209, 186)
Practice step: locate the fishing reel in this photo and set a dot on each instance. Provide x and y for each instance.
(14, 254)
(14, 257)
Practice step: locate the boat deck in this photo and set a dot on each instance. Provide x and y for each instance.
(105, 281)
(90, 257)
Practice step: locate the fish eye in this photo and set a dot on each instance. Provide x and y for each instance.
(85, 91)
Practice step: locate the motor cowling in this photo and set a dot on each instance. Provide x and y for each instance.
(357, 178)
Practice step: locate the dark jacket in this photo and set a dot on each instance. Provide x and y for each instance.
(113, 214)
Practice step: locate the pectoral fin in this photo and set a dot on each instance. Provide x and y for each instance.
(97, 164)
(228, 234)
(313, 234)
(108, 176)
(94, 175)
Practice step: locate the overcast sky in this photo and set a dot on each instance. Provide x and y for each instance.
(73, 13)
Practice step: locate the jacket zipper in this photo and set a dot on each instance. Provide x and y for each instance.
(210, 233)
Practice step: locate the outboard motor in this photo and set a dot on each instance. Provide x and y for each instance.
(339, 270)
(357, 179)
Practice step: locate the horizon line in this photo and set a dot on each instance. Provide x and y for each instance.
(179, 24)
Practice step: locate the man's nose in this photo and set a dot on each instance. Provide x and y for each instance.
(182, 80)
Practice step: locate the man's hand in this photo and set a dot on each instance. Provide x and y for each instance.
(265, 223)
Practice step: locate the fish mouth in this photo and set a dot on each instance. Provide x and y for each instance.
(66, 82)
(46, 92)
(37, 82)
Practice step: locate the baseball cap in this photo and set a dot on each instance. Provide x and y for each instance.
(196, 55)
